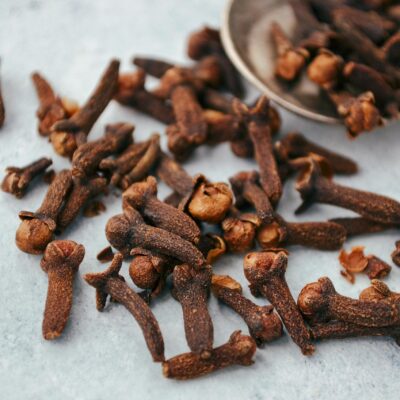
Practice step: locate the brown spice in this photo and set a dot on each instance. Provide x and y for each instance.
(60, 261)
(264, 325)
(239, 350)
(314, 188)
(191, 290)
(37, 228)
(127, 231)
(143, 197)
(318, 235)
(110, 283)
(290, 60)
(17, 180)
(266, 273)
(88, 156)
(319, 302)
(212, 247)
(69, 133)
(51, 107)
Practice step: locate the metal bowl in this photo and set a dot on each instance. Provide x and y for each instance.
(246, 38)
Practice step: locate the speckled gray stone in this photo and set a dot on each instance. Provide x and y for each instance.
(103, 355)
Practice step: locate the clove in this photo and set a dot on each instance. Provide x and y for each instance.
(325, 69)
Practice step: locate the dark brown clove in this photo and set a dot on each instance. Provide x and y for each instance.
(212, 247)
(69, 133)
(37, 228)
(60, 261)
(82, 191)
(290, 59)
(295, 145)
(264, 325)
(259, 131)
(51, 107)
(318, 235)
(246, 188)
(266, 273)
(191, 290)
(239, 350)
(319, 302)
(88, 156)
(315, 188)
(143, 197)
(110, 283)
(17, 180)
(127, 231)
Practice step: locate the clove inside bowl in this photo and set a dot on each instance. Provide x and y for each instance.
(246, 38)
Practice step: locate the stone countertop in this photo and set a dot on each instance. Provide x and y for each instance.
(103, 355)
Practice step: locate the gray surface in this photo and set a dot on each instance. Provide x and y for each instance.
(102, 355)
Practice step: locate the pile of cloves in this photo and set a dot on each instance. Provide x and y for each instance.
(173, 244)
(350, 50)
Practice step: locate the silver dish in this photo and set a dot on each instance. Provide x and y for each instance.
(246, 39)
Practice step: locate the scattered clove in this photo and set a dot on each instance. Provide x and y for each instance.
(239, 350)
(266, 273)
(17, 180)
(111, 283)
(264, 325)
(68, 134)
(37, 229)
(319, 235)
(314, 188)
(60, 261)
(356, 262)
(191, 289)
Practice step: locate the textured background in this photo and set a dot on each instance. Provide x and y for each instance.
(103, 355)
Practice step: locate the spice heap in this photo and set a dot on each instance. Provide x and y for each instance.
(173, 243)
(351, 50)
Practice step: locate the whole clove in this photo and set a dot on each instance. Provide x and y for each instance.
(239, 350)
(69, 133)
(264, 325)
(37, 229)
(17, 180)
(266, 273)
(60, 261)
(111, 283)
(191, 289)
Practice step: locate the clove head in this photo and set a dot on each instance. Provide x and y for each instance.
(143, 271)
(34, 233)
(64, 143)
(118, 232)
(271, 235)
(325, 69)
(220, 282)
(138, 193)
(210, 202)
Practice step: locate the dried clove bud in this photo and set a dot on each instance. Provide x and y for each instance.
(60, 261)
(266, 273)
(128, 230)
(264, 325)
(143, 197)
(240, 230)
(203, 200)
(315, 188)
(110, 283)
(356, 261)
(239, 350)
(191, 289)
(259, 131)
(37, 229)
(132, 92)
(319, 302)
(396, 254)
(290, 60)
(318, 235)
(69, 133)
(247, 189)
(51, 107)
(295, 145)
(325, 69)
(82, 191)
(359, 113)
(88, 156)
(17, 180)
